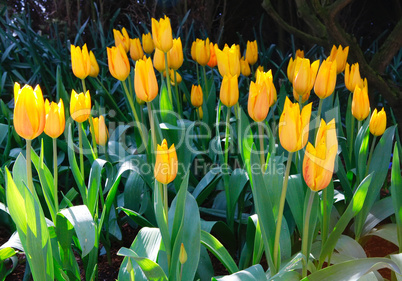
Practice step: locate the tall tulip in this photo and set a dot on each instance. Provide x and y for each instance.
(162, 34)
(267, 79)
(80, 106)
(340, 56)
(202, 51)
(378, 122)
(326, 79)
(148, 43)
(212, 58)
(304, 78)
(196, 96)
(100, 130)
(80, 61)
(119, 66)
(228, 60)
(360, 102)
(55, 119)
(166, 164)
(136, 51)
(122, 38)
(145, 83)
(94, 65)
(252, 52)
(352, 77)
(229, 92)
(244, 67)
(175, 56)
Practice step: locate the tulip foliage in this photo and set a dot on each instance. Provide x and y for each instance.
(199, 148)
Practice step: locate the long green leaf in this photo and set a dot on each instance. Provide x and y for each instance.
(396, 192)
(253, 273)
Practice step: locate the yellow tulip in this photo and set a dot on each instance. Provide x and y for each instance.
(183, 254)
(55, 119)
(159, 60)
(212, 58)
(267, 79)
(29, 111)
(145, 83)
(293, 126)
(171, 75)
(100, 130)
(229, 92)
(136, 51)
(80, 61)
(166, 164)
(260, 68)
(80, 106)
(340, 56)
(304, 78)
(244, 67)
(119, 66)
(228, 60)
(378, 122)
(200, 112)
(360, 102)
(197, 97)
(202, 51)
(94, 65)
(352, 77)
(148, 43)
(252, 52)
(193, 50)
(326, 79)
(299, 53)
(327, 133)
(176, 54)
(162, 34)
(258, 104)
(292, 64)
(139, 101)
(122, 38)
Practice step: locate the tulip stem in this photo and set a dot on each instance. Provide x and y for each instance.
(230, 218)
(351, 138)
(91, 127)
(359, 125)
(262, 150)
(168, 78)
(178, 100)
(317, 122)
(29, 166)
(198, 75)
(324, 230)
(306, 233)
(152, 123)
(301, 102)
(371, 154)
(280, 213)
(80, 150)
(166, 202)
(206, 82)
(55, 176)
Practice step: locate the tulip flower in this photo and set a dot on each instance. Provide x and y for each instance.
(145, 83)
(244, 67)
(229, 92)
(100, 130)
(94, 65)
(258, 104)
(202, 51)
(166, 164)
(352, 77)
(378, 122)
(29, 111)
(183, 254)
(293, 126)
(119, 65)
(299, 53)
(175, 56)
(212, 58)
(326, 79)
(122, 38)
(304, 78)
(80, 61)
(136, 51)
(193, 50)
(55, 119)
(148, 43)
(340, 56)
(200, 112)
(80, 106)
(252, 52)
(196, 96)
(292, 64)
(171, 74)
(159, 60)
(260, 68)
(267, 79)
(228, 60)
(360, 102)
(162, 34)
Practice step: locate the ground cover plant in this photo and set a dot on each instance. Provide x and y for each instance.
(276, 166)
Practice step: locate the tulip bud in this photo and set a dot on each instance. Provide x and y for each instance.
(229, 93)
(197, 97)
(80, 106)
(100, 130)
(212, 58)
(378, 122)
(200, 112)
(202, 51)
(258, 104)
(80, 61)
(166, 164)
(119, 65)
(162, 34)
(299, 53)
(260, 68)
(352, 77)
(145, 83)
(171, 75)
(159, 60)
(183, 254)
(340, 56)
(122, 38)
(94, 65)
(175, 56)
(136, 51)
(244, 67)
(55, 119)
(29, 111)
(267, 79)
(304, 78)
(293, 126)
(148, 43)
(252, 52)
(360, 102)
(326, 79)
(228, 60)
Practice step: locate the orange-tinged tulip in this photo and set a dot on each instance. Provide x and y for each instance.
(352, 77)
(183, 254)
(202, 51)
(148, 43)
(340, 56)
(80, 61)
(260, 68)
(166, 164)
(252, 52)
(326, 79)
(55, 119)
(212, 58)
(258, 104)
(122, 38)
(29, 111)
(304, 78)
(136, 51)
(119, 66)
(267, 79)
(145, 83)
(299, 53)
(159, 60)
(378, 122)
(176, 54)
(244, 67)
(229, 93)
(293, 126)
(100, 130)
(200, 112)
(162, 34)
(197, 97)
(228, 60)
(94, 65)
(80, 106)
(327, 133)
(361, 103)
(292, 64)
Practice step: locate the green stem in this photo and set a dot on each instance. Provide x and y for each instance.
(168, 78)
(29, 166)
(230, 218)
(262, 150)
(305, 233)
(84, 88)
(178, 100)
(227, 134)
(371, 154)
(206, 82)
(55, 176)
(165, 202)
(91, 127)
(111, 100)
(351, 139)
(280, 213)
(301, 102)
(317, 122)
(152, 123)
(325, 218)
(81, 150)
(198, 75)
(359, 125)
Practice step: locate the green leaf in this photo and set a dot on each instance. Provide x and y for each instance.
(398, 260)
(168, 115)
(253, 273)
(136, 217)
(387, 232)
(396, 192)
(380, 211)
(295, 199)
(361, 150)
